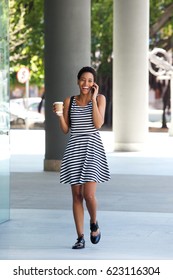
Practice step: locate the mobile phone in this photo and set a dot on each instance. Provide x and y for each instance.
(92, 89)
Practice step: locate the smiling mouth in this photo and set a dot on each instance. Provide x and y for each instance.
(87, 88)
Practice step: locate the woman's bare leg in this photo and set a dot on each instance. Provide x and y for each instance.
(78, 209)
(91, 202)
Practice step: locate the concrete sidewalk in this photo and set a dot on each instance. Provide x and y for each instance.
(135, 209)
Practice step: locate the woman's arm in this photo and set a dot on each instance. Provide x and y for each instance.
(99, 106)
(64, 117)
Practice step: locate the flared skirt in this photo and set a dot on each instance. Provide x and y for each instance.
(84, 160)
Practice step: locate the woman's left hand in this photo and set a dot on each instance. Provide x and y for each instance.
(95, 91)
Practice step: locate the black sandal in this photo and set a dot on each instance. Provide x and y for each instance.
(94, 227)
(80, 244)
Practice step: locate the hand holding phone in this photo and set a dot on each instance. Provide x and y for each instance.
(92, 89)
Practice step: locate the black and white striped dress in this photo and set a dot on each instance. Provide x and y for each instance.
(84, 159)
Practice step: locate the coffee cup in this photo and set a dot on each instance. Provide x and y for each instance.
(58, 106)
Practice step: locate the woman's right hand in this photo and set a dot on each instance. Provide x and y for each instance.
(58, 113)
(63, 115)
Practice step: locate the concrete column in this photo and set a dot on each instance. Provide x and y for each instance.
(130, 73)
(67, 49)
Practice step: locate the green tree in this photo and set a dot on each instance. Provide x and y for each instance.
(161, 24)
(102, 48)
(27, 38)
(101, 32)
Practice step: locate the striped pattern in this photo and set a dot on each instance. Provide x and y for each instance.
(84, 158)
(81, 119)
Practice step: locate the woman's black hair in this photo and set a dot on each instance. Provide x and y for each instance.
(87, 69)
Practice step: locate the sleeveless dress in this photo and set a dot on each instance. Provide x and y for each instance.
(84, 159)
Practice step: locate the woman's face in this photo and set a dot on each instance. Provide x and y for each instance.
(85, 82)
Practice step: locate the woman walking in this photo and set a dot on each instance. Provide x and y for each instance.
(84, 163)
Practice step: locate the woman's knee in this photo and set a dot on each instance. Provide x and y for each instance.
(89, 192)
(78, 198)
(77, 194)
(89, 197)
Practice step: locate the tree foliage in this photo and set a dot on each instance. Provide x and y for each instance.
(27, 38)
(101, 33)
(161, 19)
(102, 48)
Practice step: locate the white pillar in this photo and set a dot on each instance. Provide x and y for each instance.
(130, 73)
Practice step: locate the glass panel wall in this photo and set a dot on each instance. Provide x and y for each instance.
(4, 113)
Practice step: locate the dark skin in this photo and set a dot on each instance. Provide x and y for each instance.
(85, 83)
(86, 191)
